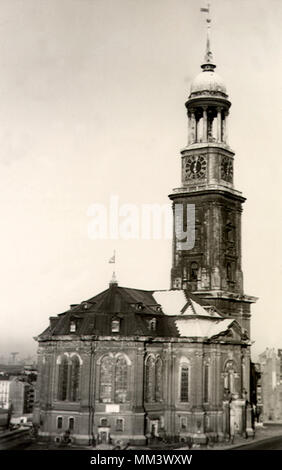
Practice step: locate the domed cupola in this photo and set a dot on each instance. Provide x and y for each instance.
(208, 103)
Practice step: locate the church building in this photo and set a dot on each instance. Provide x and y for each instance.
(135, 366)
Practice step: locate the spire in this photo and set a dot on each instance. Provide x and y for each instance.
(208, 64)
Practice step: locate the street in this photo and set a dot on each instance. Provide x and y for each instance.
(273, 443)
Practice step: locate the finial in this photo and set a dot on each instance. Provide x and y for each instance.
(114, 279)
(208, 64)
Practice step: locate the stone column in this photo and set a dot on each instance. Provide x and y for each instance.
(189, 128)
(198, 411)
(205, 125)
(219, 124)
(224, 127)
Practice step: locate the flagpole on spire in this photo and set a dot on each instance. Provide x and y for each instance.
(112, 260)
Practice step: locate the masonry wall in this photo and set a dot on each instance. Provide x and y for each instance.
(142, 420)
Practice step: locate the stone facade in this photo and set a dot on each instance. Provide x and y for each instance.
(152, 382)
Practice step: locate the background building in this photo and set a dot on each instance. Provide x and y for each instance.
(271, 384)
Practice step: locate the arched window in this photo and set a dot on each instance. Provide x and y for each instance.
(63, 379)
(184, 383)
(158, 380)
(194, 268)
(114, 379)
(59, 422)
(74, 385)
(150, 379)
(120, 380)
(106, 379)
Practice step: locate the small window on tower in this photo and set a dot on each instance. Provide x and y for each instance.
(194, 268)
(115, 326)
(72, 326)
(229, 272)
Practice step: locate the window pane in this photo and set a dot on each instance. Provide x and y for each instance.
(184, 384)
(121, 380)
(159, 380)
(106, 378)
(63, 380)
(150, 380)
(75, 379)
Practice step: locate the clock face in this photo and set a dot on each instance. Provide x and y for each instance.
(227, 169)
(195, 167)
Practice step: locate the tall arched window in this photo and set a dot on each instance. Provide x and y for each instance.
(114, 379)
(184, 383)
(150, 379)
(106, 379)
(63, 379)
(68, 378)
(158, 379)
(120, 380)
(74, 385)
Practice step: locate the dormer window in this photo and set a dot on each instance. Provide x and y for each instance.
(139, 306)
(72, 326)
(115, 326)
(152, 324)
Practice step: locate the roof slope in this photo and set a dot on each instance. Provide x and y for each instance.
(176, 314)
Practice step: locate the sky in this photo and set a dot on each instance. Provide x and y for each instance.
(92, 97)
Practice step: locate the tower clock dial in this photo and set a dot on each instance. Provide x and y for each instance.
(227, 169)
(195, 167)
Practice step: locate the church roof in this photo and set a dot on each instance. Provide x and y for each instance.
(175, 314)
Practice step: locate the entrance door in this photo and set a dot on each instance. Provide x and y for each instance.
(103, 435)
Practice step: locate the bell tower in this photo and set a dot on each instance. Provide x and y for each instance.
(211, 269)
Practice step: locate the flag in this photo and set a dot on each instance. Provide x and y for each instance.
(113, 259)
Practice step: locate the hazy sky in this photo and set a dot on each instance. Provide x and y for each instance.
(92, 97)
